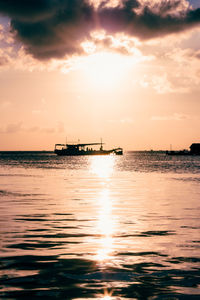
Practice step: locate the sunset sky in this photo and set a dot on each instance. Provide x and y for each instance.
(127, 71)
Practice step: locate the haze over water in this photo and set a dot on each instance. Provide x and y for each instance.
(112, 227)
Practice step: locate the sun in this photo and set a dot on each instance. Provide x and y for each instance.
(105, 70)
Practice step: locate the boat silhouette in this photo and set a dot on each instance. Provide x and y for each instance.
(194, 150)
(84, 149)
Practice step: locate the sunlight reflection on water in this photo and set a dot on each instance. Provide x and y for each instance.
(105, 226)
(103, 167)
(106, 298)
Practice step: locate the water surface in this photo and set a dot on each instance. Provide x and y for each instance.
(112, 227)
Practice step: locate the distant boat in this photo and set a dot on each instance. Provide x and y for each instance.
(194, 150)
(178, 152)
(84, 149)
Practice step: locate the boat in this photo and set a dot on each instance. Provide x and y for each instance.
(178, 152)
(194, 150)
(84, 149)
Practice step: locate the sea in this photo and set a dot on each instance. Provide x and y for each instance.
(99, 227)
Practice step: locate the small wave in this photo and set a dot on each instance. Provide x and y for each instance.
(8, 193)
(150, 233)
(19, 175)
(194, 179)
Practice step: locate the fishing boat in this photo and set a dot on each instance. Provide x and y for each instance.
(84, 149)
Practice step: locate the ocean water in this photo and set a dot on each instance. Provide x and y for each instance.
(111, 227)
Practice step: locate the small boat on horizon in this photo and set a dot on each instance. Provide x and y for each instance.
(194, 150)
(84, 149)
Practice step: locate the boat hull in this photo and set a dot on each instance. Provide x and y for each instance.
(65, 152)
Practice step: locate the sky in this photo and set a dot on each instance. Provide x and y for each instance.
(126, 71)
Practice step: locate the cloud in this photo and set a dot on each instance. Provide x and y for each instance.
(187, 64)
(53, 29)
(3, 61)
(174, 70)
(5, 104)
(47, 130)
(18, 127)
(36, 112)
(120, 44)
(37, 129)
(161, 83)
(193, 53)
(33, 129)
(169, 7)
(173, 117)
(145, 21)
(49, 28)
(60, 127)
(125, 120)
(11, 128)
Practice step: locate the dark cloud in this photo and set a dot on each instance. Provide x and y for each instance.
(157, 20)
(50, 28)
(54, 28)
(28, 10)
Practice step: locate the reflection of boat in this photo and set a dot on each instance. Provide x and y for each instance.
(83, 149)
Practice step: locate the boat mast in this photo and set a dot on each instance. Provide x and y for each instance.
(101, 148)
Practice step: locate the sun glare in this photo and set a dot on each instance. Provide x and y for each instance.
(104, 70)
(103, 166)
